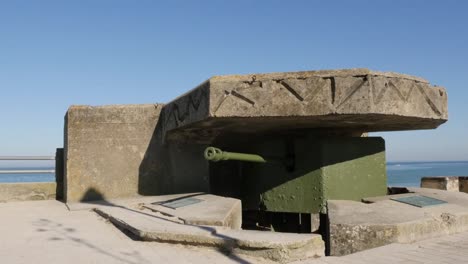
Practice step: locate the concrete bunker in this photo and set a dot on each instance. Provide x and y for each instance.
(310, 128)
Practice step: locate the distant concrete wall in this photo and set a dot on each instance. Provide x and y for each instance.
(450, 183)
(104, 148)
(10, 192)
(463, 181)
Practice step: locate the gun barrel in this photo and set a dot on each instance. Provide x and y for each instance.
(215, 154)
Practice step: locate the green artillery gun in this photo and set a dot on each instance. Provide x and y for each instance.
(216, 154)
(314, 170)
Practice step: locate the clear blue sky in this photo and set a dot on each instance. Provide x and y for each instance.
(57, 53)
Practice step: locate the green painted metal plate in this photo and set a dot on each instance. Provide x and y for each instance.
(174, 204)
(419, 201)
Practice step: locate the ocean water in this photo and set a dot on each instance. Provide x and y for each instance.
(404, 174)
(45, 177)
(409, 174)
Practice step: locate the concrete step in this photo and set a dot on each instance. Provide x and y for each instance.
(149, 226)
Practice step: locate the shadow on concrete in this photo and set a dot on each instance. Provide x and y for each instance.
(92, 195)
(153, 178)
(232, 240)
(172, 167)
(104, 202)
(61, 233)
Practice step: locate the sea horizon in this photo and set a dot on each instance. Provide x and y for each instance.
(399, 173)
(427, 161)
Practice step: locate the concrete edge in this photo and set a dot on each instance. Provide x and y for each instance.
(222, 238)
(316, 73)
(27, 191)
(405, 233)
(167, 237)
(444, 224)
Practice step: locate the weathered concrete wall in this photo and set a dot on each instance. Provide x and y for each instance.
(118, 151)
(104, 148)
(441, 183)
(450, 183)
(10, 192)
(463, 183)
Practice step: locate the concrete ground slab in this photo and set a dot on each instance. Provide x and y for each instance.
(350, 100)
(45, 232)
(442, 250)
(281, 247)
(358, 226)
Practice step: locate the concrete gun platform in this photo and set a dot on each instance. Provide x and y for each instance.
(351, 99)
(203, 224)
(356, 226)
